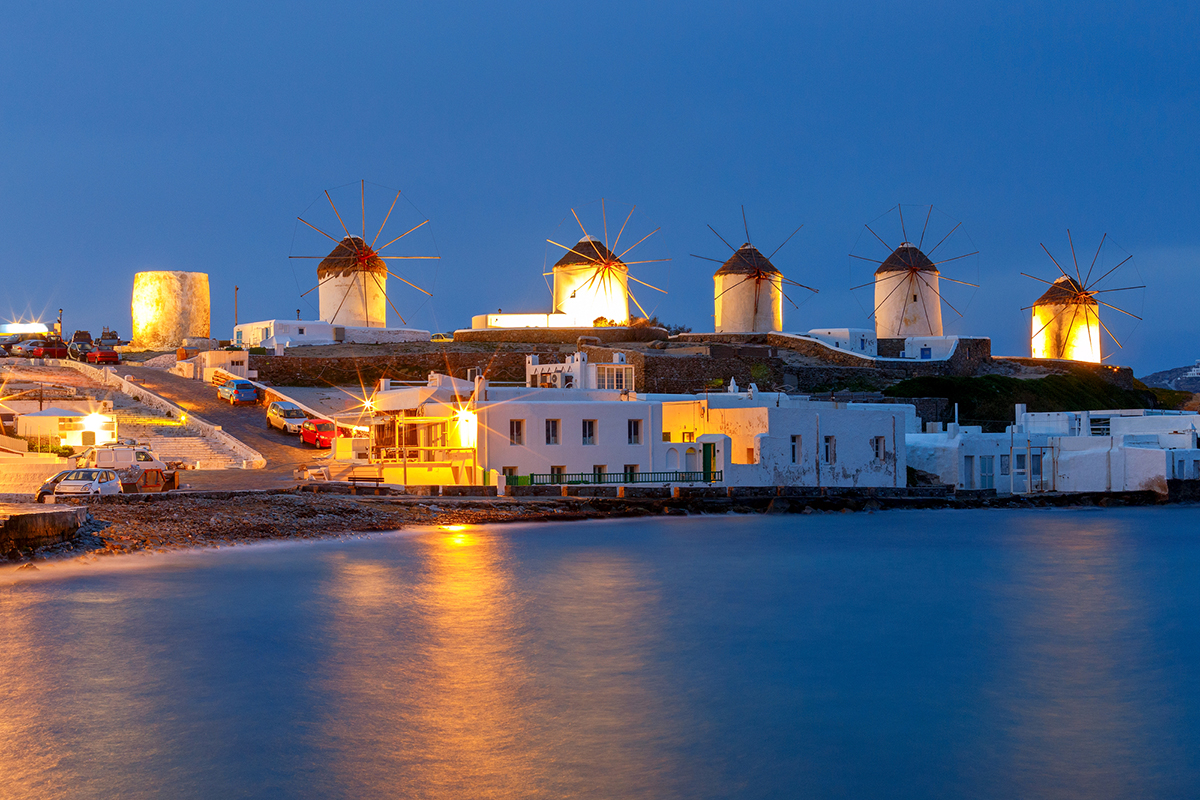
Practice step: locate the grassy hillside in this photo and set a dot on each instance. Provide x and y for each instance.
(989, 400)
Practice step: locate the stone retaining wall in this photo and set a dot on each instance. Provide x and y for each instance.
(251, 458)
(367, 370)
(559, 335)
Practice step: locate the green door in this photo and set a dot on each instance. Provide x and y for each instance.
(708, 459)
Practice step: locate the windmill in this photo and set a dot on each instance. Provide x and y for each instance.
(908, 293)
(591, 280)
(352, 277)
(748, 289)
(1066, 318)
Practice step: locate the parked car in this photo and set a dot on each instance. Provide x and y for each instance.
(23, 349)
(78, 351)
(119, 457)
(238, 391)
(103, 355)
(88, 482)
(84, 337)
(51, 348)
(7, 342)
(442, 337)
(48, 486)
(318, 432)
(285, 416)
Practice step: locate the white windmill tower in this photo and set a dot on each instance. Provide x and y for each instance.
(352, 278)
(908, 295)
(748, 289)
(591, 281)
(1066, 318)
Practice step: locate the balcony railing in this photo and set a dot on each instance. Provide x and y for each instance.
(553, 479)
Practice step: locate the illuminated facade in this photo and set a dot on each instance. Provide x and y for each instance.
(907, 301)
(748, 294)
(1066, 323)
(583, 422)
(590, 284)
(71, 428)
(169, 307)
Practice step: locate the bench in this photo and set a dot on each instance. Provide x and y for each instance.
(360, 476)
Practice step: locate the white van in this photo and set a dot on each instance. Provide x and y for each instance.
(119, 457)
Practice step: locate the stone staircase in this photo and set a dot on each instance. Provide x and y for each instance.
(170, 441)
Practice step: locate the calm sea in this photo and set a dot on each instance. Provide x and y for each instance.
(994, 654)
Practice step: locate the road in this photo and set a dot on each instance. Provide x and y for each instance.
(246, 423)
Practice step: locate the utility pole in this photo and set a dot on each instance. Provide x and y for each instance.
(235, 314)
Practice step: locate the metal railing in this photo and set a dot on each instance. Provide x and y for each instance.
(553, 479)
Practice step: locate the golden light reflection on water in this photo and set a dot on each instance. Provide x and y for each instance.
(72, 689)
(473, 705)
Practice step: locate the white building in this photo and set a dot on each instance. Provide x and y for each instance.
(857, 340)
(580, 422)
(1076, 451)
(271, 333)
(70, 427)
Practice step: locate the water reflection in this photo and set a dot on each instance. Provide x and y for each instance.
(74, 690)
(486, 697)
(1073, 687)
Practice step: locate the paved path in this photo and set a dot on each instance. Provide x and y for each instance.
(245, 423)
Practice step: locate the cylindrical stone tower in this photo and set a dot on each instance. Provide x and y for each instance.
(169, 307)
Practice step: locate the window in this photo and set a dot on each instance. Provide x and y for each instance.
(509, 471)
(749, 455)
(551, 431)
(968, 481)
(1003, 465)
(301, 331)
(635, 431)
(987, 472)
(516, 431)
(615, 377)
(1020, 465)
(689, 436)
(666, 436)
(558, 472)
(879, 446)
(795, 449)
(1035, 465)
(830, 453)
(630, 469)
(599, 470)
(589, 431)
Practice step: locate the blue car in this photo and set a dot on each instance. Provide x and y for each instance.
(238, 391)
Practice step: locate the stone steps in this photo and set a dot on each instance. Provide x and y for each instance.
(170, 441)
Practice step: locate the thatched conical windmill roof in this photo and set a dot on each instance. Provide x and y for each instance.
(593, 249)
(747, 261)
(1063, 291)
(350, 255)
(904, 258)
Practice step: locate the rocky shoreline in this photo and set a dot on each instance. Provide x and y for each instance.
(180, 521)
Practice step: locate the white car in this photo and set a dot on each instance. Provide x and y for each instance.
(118, 457)
(88, 482)
(285, 416)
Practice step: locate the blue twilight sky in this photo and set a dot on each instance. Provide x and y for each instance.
(143, 136)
